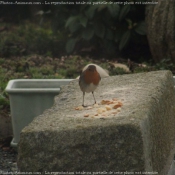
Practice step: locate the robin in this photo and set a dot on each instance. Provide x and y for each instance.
(89, 80)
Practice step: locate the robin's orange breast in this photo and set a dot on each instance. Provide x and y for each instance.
(91, 77)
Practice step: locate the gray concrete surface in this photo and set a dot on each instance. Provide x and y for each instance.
(139, 137)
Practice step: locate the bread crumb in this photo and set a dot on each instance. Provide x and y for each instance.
(100, 110)
(116, 106)
(108, 107)
(79, 108)
(95, 105)
(86, 115)
(119, 109)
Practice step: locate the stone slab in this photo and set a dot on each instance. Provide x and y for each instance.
(139, 138)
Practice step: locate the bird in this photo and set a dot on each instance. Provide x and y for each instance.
(89, 80)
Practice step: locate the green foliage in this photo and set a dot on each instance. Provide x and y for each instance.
(140, 28)
(124, 11)
(4, 102)
(124, 39)
(108, 26)
(70, 45)
(118, 71)
(29, 39)
(165, 64)
(3, 79)
(143, 69)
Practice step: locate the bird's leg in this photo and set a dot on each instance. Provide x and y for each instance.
(94, 97)
(83, 99)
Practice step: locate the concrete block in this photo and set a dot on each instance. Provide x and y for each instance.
(138, 139)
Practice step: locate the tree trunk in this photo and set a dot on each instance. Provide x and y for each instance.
(160, 19)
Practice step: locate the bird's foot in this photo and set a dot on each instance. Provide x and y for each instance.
(85, 106)
(95, 103)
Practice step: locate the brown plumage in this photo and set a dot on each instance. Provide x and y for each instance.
(89, 80)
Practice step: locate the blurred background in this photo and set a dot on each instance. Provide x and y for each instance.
(98, 30)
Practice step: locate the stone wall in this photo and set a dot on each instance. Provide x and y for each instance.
(130, 130)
